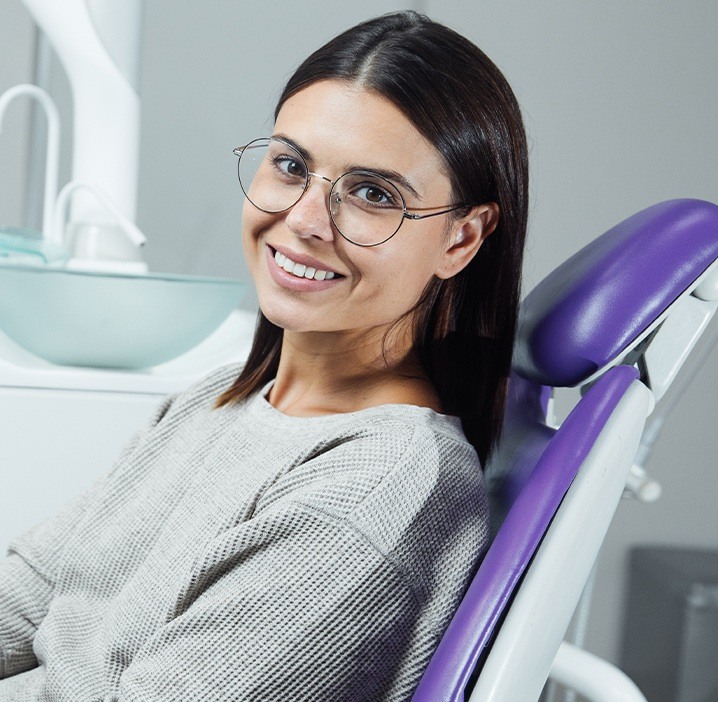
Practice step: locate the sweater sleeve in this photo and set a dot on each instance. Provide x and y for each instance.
(297, 607)
(28, 572)
(301, 602)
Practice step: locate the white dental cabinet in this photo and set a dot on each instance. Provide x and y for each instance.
(62, 427)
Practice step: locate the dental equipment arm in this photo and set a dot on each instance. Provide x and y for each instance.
(105, 98)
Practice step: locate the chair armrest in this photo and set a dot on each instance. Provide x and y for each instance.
(597, 680)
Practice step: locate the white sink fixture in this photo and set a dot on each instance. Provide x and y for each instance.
(83, 318)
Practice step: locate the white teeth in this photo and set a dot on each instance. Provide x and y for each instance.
(300, 270)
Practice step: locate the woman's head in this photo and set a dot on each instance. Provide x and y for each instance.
(334, 189)
(463, 109)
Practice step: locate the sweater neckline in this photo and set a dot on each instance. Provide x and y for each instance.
(260, 405)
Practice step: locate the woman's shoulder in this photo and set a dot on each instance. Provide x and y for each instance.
(212, 384)
(419, 440)
(201, 393)
(371, 444)
(427, 460)
(387, 463)
(428, 514)
(391, 422)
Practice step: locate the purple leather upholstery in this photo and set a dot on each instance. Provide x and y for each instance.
(476, 619)
(523, 439)
(583, 315)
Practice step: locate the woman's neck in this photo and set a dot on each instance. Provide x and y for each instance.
(335, 373)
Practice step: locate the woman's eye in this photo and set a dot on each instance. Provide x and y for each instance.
(290, 166)
(374, 195)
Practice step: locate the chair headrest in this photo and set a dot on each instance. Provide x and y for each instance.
(586, 314)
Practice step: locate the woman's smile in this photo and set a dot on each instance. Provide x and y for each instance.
(299, 272)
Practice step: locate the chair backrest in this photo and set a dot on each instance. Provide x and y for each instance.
(604, 428)
(555, 492)
(593, 450)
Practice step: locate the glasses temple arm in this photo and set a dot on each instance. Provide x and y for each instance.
(414, 216)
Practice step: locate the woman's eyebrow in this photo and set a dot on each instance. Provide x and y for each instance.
(288, 140)
(393, 176)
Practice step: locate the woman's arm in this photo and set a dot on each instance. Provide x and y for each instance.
(26, 583)
(300, 607)
(338, 588)
(28, 572)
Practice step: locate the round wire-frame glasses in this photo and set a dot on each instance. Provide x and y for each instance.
(366, 207)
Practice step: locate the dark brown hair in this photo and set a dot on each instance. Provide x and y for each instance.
(459, 100)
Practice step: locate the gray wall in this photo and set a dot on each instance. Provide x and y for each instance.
(16, 38)
(620, 102)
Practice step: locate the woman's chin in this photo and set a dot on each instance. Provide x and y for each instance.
(285, 319)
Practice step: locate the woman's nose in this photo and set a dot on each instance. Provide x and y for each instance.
(310, 216)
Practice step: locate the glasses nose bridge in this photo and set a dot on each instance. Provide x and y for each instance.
(311, 175)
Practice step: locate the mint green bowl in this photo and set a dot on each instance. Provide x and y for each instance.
(109, 320)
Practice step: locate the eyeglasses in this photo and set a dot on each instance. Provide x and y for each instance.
(366, 208)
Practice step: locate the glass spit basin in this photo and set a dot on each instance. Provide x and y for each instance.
(110, 320)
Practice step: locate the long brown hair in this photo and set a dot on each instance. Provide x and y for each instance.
(459, 100)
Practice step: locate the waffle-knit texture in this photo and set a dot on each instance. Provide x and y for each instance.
(243, 554)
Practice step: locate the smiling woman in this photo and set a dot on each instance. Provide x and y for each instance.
(397, 120)
(303, 527)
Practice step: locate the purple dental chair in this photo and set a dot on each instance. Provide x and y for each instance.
(618, 319)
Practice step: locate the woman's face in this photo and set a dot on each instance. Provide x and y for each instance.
(340, 127)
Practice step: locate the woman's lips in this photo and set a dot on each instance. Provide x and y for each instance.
(299, 272)
(299, 259)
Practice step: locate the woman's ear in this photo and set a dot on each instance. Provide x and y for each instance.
(467, 235)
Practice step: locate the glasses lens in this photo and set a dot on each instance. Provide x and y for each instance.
(272, 174)
(366, 208)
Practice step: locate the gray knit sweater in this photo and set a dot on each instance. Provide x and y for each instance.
(242, 554)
